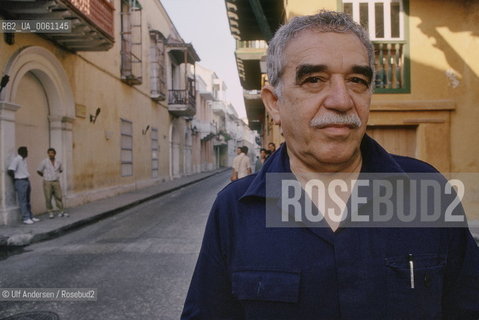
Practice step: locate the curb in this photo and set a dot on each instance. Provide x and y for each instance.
(21, 240)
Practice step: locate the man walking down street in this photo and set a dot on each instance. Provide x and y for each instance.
(234, 173)
(50, 169)
(18, 170)
(244, 165)
(241, 164)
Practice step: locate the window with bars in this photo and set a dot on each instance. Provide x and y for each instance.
(126, 145)
(155, 149)
(385, 22)
(157, 66)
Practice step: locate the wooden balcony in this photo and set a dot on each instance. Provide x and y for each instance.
(249, 57)
(182, 103)
(205, 129)
(392, 67)
(92, 20)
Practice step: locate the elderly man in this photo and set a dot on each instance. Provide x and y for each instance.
(320, 70)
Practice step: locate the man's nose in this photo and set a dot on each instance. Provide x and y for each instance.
(338, 97)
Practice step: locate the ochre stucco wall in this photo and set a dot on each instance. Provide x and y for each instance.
(95, 81)
(443, 45)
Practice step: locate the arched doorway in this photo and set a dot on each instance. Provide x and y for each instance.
(32, 129)
(37, 109)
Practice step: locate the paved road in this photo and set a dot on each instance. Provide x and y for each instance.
(140, 261)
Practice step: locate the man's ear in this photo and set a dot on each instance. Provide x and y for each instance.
(271, 102)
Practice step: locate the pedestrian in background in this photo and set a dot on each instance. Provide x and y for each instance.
(241, 164)
(50, 169)
(271, 147)
(234, 173)
(244, 165)
(261, 160)
(18, 170)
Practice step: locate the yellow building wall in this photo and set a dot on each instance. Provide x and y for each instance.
(95, 81)
(443, 102)
(300, 7)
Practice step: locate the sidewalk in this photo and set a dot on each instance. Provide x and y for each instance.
(22, 235)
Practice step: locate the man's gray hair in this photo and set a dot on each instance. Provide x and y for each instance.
(324, 21)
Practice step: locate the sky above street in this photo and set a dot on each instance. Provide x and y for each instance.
(204, 23)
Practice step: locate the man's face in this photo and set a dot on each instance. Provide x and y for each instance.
(262, 154)
(51, 154)
(326, 77)
(238, 151)
(23, 153)
(271, 147)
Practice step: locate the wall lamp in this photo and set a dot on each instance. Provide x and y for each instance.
(144, 131)
(93, 117)
(4, 82)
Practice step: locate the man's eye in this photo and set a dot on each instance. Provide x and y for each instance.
(359, 81)
(313, 80)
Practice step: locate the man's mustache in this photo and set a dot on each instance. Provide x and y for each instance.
(351, 120)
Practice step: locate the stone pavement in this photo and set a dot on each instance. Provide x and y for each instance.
(22, 234)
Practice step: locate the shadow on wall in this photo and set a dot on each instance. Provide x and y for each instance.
(433, 27)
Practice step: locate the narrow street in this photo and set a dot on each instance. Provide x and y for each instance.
(141, 260)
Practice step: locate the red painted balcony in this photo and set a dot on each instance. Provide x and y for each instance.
(98, 13)
(91, 20)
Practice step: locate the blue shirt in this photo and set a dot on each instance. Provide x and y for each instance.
(248, 271)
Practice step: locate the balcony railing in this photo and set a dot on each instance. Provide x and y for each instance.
(91, 21)
(182, 103)
(253, 44)
(206, 130)
(180, 97)
(99, 13)
(392, 67)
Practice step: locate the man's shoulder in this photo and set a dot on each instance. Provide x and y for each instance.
(16, 159)
(236, 189)
(412, 165)
(43, 162)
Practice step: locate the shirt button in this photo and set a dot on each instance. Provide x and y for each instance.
(427, 280)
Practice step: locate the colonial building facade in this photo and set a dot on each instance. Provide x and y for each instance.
(116, 97)
(425, 101)
(427, 74)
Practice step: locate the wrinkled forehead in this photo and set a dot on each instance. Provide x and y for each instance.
(314, 43)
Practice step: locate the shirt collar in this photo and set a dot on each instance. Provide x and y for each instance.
(374, 160)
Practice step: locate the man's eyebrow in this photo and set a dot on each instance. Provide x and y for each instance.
(364, 70)
(305, 69)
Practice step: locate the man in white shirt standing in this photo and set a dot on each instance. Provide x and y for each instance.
(234, 173)
(18, 170)
(50, 170)
(244, 165)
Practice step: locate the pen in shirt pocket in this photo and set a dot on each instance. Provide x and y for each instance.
(411, 269)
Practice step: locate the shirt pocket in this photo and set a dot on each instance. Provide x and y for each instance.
(417, 295)
(266, 285)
